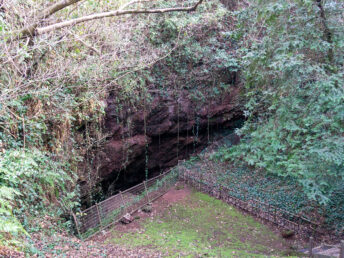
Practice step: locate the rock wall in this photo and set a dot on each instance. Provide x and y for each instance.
(155, 137)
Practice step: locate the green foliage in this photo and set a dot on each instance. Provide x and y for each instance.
(9, 223)
(30, 181)
(251, 183)
(53, 91)
(292, 64)
(200, 59)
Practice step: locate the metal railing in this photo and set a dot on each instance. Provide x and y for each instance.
(108, 212)
(104, 214)
(278, 216)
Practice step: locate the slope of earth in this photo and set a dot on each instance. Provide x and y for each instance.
(283, 192)
(65, 245)
(182, 222)
(191, 224)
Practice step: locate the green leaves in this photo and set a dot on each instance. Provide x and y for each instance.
(294, 103)
(28, 181)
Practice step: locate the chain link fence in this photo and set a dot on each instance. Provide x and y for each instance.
(205, 183)
(108, 212)
(104, 214)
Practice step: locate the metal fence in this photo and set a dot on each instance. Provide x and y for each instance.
(280, 217)
(106, 213)
(110, 211)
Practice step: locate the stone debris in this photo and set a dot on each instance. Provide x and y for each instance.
(147, 208)
(324, 251)
(127, 218)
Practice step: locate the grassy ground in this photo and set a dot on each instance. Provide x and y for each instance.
(200, 225)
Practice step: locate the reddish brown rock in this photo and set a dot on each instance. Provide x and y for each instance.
(175, 128)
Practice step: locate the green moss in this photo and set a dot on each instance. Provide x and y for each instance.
(202, 225)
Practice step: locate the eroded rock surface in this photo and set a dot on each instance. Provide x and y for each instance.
(155, 137)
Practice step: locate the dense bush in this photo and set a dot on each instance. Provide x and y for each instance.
(53, 90)
(31, 182)
(292, 64)
(203, 62)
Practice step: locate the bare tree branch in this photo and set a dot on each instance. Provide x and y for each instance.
(85, 44)
(134, 2)
(327, 31)
(33, 29)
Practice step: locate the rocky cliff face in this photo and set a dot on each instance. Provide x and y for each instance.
(154, 138)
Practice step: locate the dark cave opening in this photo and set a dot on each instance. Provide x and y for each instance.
(144, 142)
(163, 153)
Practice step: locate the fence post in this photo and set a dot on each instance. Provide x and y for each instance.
(298, 224)
(99, 217)
(165, 184)
(199, 181)
(184, 176)
(76, 224)
(144, 182)
(341, 254)
(220, 191)
(311, 247)
(123, 203)
(178, 170)
(245, 203)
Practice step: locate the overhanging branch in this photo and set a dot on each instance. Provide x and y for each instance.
(75, 21)
(33, 29)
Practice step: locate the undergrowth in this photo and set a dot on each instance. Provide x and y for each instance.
(34, 191)
(53, 92)
(292, 68)
(283, 192)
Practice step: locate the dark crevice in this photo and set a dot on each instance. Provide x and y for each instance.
(164, 153)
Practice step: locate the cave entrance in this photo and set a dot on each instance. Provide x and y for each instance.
(163, 153)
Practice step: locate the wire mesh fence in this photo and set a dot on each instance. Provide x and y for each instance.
(111, 210)
(106, 213)
(241, 200)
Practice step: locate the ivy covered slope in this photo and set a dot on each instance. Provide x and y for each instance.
(292, 65)
(53, 89)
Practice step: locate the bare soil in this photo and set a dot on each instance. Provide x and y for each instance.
(158, 206)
